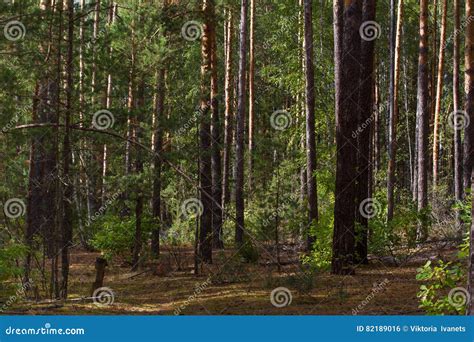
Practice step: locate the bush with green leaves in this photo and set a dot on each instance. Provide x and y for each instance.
(439, 280)
(116, 235)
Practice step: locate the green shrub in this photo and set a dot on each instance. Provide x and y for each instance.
(439, 280)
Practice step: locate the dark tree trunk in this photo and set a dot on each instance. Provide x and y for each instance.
(228, 131)
(469, 104)
(157, 164)
(366, 105)
(205, 153)
(347, 21)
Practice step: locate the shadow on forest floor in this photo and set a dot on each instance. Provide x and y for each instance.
(233, 288)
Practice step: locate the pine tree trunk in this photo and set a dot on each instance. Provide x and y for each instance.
(251, 92)
(394, 115)
(458, 174)
(347, 23)
(159, 114)
(366, 105)
(228, 131)
(217, 213)
(423, 118)
(310, 122)
(240, 145)
(205, 224)
(439, 92)
(469, 89)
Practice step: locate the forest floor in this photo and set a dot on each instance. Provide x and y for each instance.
(387, 286)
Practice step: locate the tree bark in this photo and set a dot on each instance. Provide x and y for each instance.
(347, 23)
(310, 122)
(469, 90)
(423, 117)
(205, 222)
(439, 92)
(366, 105)
(240, 145)
(394, 115)
(228, 131)
(251, 92)
(458, 174)
(216, 163)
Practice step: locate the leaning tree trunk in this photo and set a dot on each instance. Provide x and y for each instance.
(310, 122)
(240, 145)
(348, 17)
